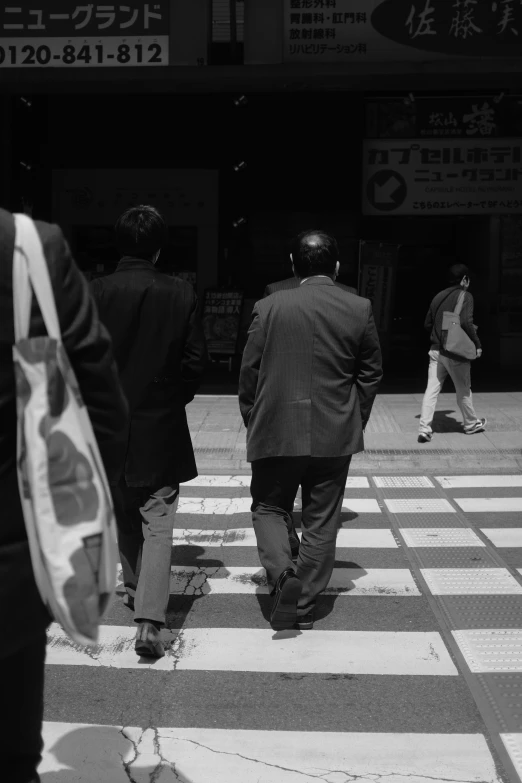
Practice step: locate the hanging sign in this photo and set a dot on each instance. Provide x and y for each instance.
(358, 30)
(221, 320)
(377, 270)
(442, 177)
(63, 34)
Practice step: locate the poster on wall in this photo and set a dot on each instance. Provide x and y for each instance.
(64, 34)
(221, 320)
(359, 30)
(377, 271)
(442, 177)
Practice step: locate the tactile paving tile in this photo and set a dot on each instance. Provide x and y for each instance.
(428, 520)
(492, 649)
(419, 506)
(471, 581)
(482, 611)
(440, 537)
(401, 482)
(456, 557)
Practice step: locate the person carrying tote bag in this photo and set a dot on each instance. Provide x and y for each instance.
(64, 492)
(456, 341)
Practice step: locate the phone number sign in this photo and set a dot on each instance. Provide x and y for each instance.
(62, 34)
(442, 177)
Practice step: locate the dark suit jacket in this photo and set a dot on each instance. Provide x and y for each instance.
(310, 372)
(293, 282)
(89, 350)
(161, 354)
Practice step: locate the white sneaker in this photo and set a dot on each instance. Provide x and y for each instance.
(479, 426)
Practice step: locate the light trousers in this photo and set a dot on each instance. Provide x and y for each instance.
(460, 373)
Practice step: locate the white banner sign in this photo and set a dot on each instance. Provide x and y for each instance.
(442, 177)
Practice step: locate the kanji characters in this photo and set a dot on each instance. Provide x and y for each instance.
(481, 120)
(506, 23)
(463, 24)
(420, 23)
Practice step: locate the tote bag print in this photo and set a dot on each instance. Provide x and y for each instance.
(64, 492)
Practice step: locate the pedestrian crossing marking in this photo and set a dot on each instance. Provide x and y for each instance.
(402, 482)
(259, 650)
(234, 481)
(225, 580)
(513, 745)
(362, 538)
(504, 537)
(419, 506)
(491, 650)
(465, 482)
(471, 581)
(238, 505)
(251, 756)
(488, 505)
(440, 537)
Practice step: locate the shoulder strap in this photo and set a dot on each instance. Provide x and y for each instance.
(30, 270)
(438, 308)
(460, 303)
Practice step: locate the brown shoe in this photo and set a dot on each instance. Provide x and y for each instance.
(148, 641)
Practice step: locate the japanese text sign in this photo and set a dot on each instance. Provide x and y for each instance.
(442, 177)
(337, 30)
(61, 33)
(221, 320)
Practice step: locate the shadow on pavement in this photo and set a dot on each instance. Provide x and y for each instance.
(102, 754)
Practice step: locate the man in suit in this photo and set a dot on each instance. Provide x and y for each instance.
(161, 354)
(293, 282)
(309, 375)
(24, 616)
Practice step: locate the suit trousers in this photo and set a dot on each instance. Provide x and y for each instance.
(22, 688)
(145, 522)
(274, 485)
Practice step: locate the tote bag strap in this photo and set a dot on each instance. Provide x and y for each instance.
(30, 270)
(460, 303)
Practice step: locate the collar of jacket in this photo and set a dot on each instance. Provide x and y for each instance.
(316, 280)
(128, 262)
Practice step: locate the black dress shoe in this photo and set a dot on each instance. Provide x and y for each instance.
(305, 622)
(286, 595)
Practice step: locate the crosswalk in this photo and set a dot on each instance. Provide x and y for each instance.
(381, 689)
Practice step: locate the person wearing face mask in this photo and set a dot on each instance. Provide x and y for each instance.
(161, 353)
(443, 363)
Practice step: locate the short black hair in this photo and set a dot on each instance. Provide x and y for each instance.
(457, 272)
(314, 253)
(140, 232)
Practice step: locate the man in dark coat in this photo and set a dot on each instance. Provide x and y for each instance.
(309, 375)
(293, 282)
(161, 353)
(24, 616)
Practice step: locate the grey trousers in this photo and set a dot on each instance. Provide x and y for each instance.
(273, 488)
(145, 521)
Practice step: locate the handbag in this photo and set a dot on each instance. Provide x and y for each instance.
(456, 340)
(64, 492)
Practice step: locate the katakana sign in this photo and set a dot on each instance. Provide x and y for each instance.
(340, 30)
(60, 33)
(442, 177)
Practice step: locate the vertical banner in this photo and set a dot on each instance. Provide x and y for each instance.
(377, 272)
(221, 320)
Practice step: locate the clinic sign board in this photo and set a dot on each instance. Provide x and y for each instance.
(66, 34)
(400, 30)
(442, 177)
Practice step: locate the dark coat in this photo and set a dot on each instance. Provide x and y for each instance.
(89, 350)
(161, 354)
(293, 282)
(310, 372)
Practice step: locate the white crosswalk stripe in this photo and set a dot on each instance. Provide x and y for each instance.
(261, 756)
(374, 568)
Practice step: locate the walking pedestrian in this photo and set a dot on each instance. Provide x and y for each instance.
(161, 354)
(24, 616)
(442, 363)
(309, 375)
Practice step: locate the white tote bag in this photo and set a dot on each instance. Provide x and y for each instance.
(64, 491)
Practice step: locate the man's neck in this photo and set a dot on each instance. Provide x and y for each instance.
(304, 279)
